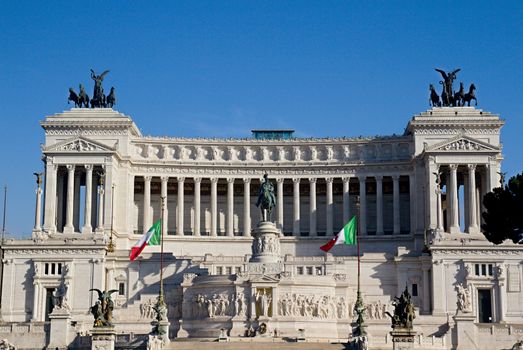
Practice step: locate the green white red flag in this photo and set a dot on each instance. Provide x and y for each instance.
(152, 237)
(347, 235)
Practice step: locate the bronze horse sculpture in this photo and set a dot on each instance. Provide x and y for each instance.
(434, 100)
(266, 199)
(458, 96)
(471, 95)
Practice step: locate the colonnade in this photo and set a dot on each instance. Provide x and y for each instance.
(278, 214)
(93, 201)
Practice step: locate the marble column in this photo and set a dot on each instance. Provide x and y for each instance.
(50, 195)
(163, 202)
(101, 201)
(346, 200)
(38, 208)
(197, 204)
(76, 209)
(379, 205)
(296, 207)
(130, 204)
(88, 198)
(69, 228)
(396, 203)
(412, 202)
(214, 206)
(279, 202)
(329, 207)
(472, 207)
(230, 207)
(181, 199)
(363, 205)
(246, 207)
(454, 205)
(146, 203)
(312, 208)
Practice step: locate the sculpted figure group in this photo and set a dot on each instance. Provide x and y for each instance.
(202, 306)
(99, 100)
(449, 97)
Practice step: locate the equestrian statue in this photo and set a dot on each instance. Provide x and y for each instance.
(266, 199)
(99, 100)
(449, 97)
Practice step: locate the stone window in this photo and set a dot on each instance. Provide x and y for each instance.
(483, 269)
(319, 270)
(309, 270)
(121, 288)
(299, 270)
(228, 270)
(414, 289)
(52, 269)
(219, 270)
(238, 269)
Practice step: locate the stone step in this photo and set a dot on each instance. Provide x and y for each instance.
(252, 345)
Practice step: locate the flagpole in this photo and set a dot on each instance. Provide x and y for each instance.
(359, 307)
(160, 298)
(110, 246)
(5, 209)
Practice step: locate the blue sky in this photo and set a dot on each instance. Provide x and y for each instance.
(182, 68)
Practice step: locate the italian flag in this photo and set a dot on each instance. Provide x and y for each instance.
(347, 235)
(151, 237)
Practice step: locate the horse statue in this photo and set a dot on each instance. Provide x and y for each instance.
(83, 98)
(459, 95)
(434, 97)
(266, 199)
(404, 311)
(73, 97)
(471, 95)
(111, 98)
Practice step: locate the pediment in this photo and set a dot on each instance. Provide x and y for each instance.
(462, 143)
(79, 144)
(264, 279)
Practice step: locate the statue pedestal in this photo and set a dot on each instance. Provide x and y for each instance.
(161, 330)
(466, 330)
(59, 335)
(402, 338)
(266, 243)
(103, 338)
(239, 326)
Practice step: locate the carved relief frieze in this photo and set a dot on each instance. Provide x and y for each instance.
(79, 144)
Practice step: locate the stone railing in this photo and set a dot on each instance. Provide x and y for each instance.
(260, 151)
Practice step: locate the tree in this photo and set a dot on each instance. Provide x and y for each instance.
(504, 212)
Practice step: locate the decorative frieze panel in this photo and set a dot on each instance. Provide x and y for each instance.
(461, 144)
(232, 152)
(79, 144)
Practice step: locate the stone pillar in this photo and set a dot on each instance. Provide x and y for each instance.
(329, 207)
(312, 208)
(69, 228)
(146, 203)
(163, 195)
(472, 207)
(214, 206)
(438, 296)
(296, 206)
(101, 195)
(363, 205)
(453, 188)
(279, 202)
(396, 202)
(412, 202)
(439, 209)
(36, 300)
(379, 205)
(88, 198)
(492, 174)
(230, 207)
(346, 200)
(179, 221)
(246, 207)
(76, 205)
(50, 196)
(197, 210)
(403, 338)
(430, 189)
(426, 289)
(59, 333)
(38, 208)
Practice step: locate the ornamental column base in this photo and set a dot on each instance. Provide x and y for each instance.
(103, 338)
(403, 338)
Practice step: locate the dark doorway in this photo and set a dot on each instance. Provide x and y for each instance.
(485, 305)
(48, 302)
